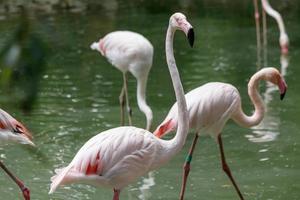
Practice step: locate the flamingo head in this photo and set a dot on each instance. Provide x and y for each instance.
(164, 128)
(13, 130)
(284, 44)
(178, 21)
(274, 76)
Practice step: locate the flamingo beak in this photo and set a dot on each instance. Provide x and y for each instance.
(187, 28)
(282, 88)
(191, 36)
(282, 95)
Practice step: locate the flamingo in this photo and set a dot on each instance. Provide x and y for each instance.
(118, 156)
(12, 130)
(129, 51)
(212, 105)
(283, 38)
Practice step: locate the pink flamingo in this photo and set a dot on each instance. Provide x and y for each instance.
(13, 131)
(116, 157)
(283, 38)
(129, 51)
(212, 105)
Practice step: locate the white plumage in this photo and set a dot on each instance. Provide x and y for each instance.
(12, 130)
(283, 37)
(116, 157)
(211, 105)
(129, 51)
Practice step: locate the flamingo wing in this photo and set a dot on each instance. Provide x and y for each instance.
(122, 48)
(6, 120)
(209, 107)
(113, 158)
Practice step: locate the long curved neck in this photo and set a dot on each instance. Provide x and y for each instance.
(141, 100)
(247, 121)
(273, 13)
(178, 141)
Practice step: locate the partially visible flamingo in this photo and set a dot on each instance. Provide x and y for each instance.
(129, 51)
(283, 38)
(13, 131)
(116, 157)
(212, 105)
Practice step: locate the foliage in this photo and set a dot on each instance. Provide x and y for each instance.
(22, 62)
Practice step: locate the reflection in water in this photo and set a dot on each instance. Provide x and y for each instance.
(145, 187)
(268, 129)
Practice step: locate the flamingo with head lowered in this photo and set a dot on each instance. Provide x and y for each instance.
(117, 157)
(212, 105)
(283, 37)
(13, 131)
(129, 51)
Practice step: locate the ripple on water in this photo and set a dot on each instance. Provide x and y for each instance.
(264, 159)
(266, 131)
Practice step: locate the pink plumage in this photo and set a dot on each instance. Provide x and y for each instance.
(117, 157)
(114, 158)
(129, 52)
(12, 130)
(209, 108)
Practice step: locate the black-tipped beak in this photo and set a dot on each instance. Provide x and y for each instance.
(191, 36)
(282, 95)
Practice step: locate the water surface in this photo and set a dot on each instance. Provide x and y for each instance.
(79, 98)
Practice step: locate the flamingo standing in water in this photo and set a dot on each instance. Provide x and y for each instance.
(116, 157)
(212, 105)
(129, 51)
(283, 37)
(13, 131)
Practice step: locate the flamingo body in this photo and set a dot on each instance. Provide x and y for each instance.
(127, 51)
(12, 130)
(130, 51)
(283, 37)
(113, 158)
(209, 107)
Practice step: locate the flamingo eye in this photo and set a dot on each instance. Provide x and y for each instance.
(18, 129)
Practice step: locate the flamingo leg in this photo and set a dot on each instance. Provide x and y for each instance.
(24, 189)
(226, 168)
(257, 25)
(125, 79)
(265, 39)
(187, 167)
(116, 194)
(122, 104)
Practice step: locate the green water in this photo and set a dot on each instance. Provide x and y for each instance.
(79, 98)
